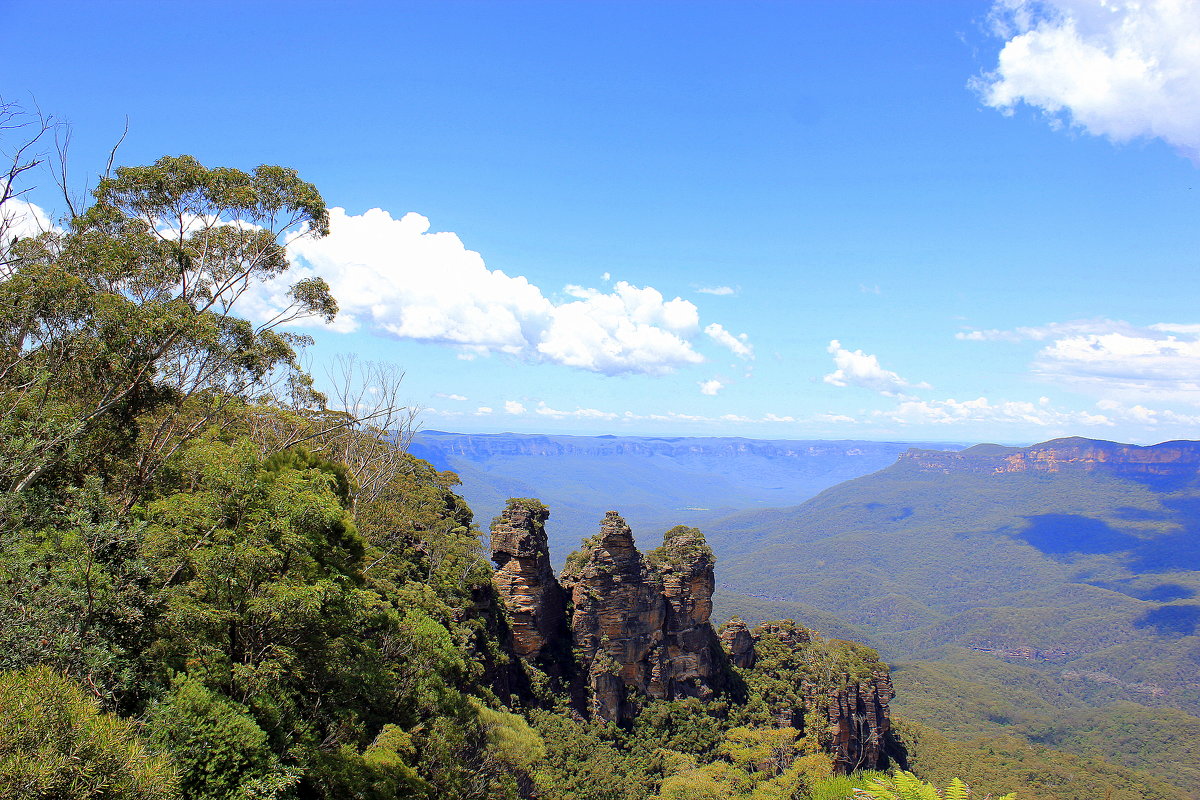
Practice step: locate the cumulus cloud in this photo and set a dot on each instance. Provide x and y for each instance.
(1163, 364)
(711, 387)
(1124, 69)
(717, 290)
(20, 218)
(397, 278)
(739, 345)
(513, 407)
(856, 368)
(450, 396)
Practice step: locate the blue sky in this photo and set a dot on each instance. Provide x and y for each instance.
(906, 220)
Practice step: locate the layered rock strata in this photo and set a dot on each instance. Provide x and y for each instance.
(525, 579)
(691, 663)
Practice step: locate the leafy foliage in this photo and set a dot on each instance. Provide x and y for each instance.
(56, 743)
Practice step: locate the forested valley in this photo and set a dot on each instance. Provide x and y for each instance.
(217, 582)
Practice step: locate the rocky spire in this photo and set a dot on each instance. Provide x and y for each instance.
(618, 620)
(525, 580)
(691, 664)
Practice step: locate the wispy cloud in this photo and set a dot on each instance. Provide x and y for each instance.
(721, 291)
(738, 345)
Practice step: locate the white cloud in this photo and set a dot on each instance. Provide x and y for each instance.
(1053, 330)
(721, 291)
(1112, 358)
(450, 396)
(1160, 364)
(483, 411)
(1150, 417)
(396, 278)
(22, 218)
(870, 288)
(981, 410)
(578, 413)
(856, 368)
(513, 407)
(630, 329)
(711, 387)
(739, 345)
(1124, 69)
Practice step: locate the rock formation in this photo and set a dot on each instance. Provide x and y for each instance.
(691, 664)
(738, 643)
(617, 624)
(861, 725)
(639, 627)
(525, 580)
(840, 688)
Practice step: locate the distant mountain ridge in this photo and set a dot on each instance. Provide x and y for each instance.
(655, 482)
(1179, 459)
(508, 444)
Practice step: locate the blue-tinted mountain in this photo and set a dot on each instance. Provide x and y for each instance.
(654, 482)
(1079, 555)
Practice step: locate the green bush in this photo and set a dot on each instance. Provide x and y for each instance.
(56, 743)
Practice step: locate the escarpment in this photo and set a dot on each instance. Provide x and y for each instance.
(1179, 459)
(629, 629)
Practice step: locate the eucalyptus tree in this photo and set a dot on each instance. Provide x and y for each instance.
(119, 332)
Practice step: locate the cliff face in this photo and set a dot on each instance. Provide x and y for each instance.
(525, 579)
(860, 723)
(1169, 459)
(640, 627)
